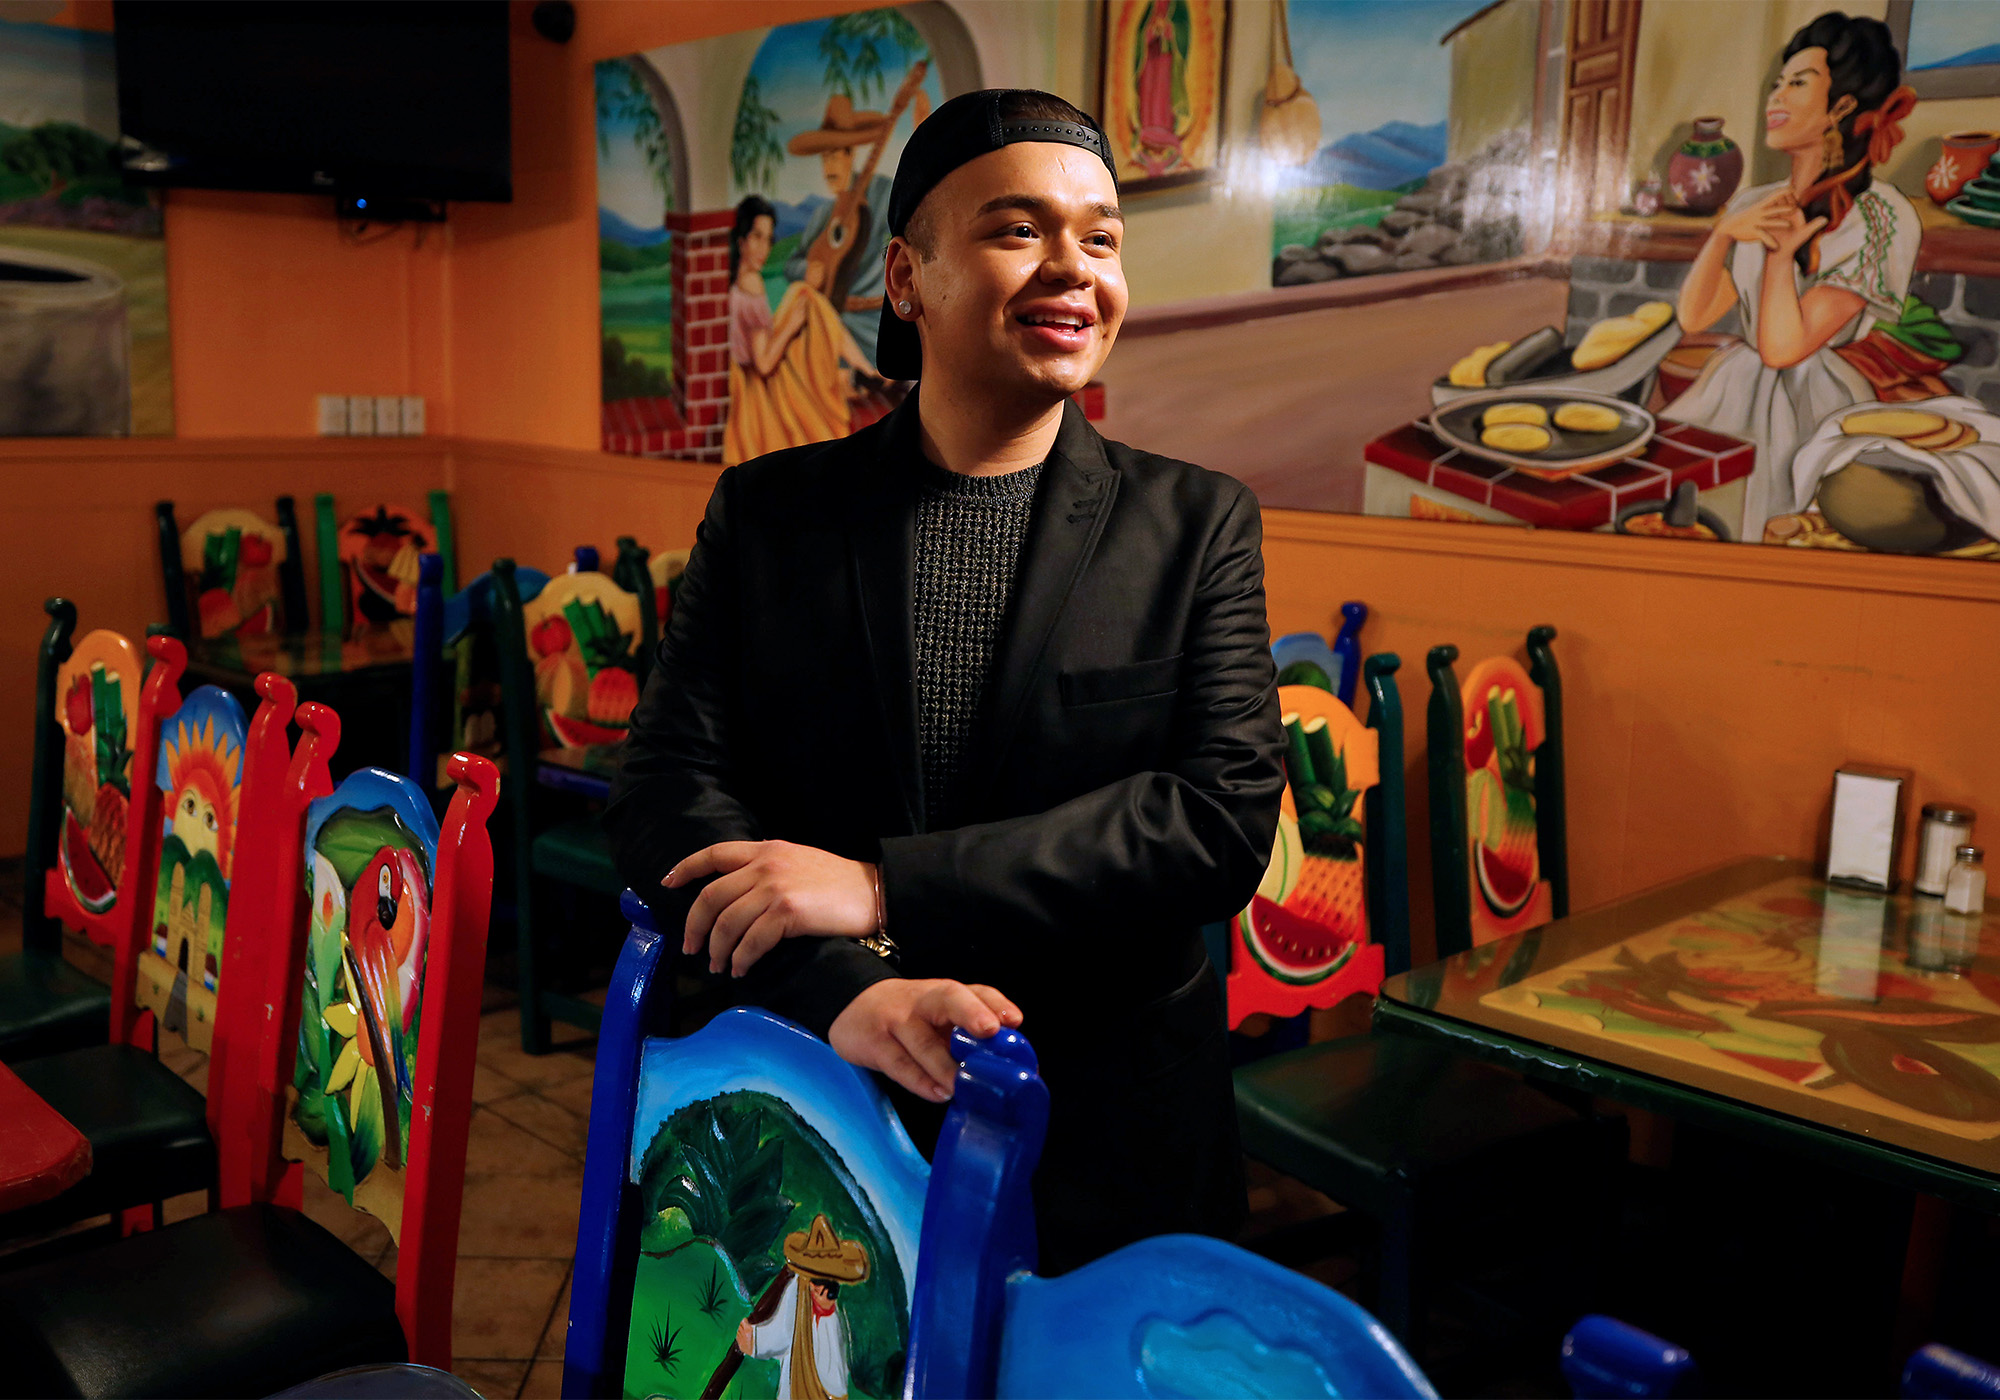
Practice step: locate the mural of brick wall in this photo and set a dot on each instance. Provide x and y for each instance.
(700, 272)
(1600, 287)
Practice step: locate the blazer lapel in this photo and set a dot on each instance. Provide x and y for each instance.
(1069, 516)
(882, 533)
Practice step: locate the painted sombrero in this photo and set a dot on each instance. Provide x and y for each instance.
(842, 129)
(818, 1253)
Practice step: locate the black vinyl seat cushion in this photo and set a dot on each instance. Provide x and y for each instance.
(47, 1006)
(240, 1302)
(148, 1130)
(1368, 1118)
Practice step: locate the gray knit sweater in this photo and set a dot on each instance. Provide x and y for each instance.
(969, 535)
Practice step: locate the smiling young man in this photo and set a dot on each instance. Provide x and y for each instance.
(968, 719)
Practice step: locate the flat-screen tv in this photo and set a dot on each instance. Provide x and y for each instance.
(357, 99)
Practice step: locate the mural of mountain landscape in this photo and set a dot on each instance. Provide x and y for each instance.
(1385, 192)
(1951, 35)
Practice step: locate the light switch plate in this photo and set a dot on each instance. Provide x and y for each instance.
(361, 415)
(333, 415)
(413, 415)
(388, 415)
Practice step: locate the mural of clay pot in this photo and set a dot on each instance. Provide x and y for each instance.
(1707, 168)
(1961, 155)
(1892, 511)
(65, 350)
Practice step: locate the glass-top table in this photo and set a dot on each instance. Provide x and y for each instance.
(584, 768)
(237, 659)
(1759, 1000)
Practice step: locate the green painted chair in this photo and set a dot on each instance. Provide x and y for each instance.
(46, 1004)
(549, 848)
(1422, 1146)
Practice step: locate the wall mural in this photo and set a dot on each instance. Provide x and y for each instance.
(83, 261)
(748, 323)
(1612, 272)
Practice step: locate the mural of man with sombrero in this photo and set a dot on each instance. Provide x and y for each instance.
(809, 1338)
(856, 295)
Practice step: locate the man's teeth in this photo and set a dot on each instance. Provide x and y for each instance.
(1066, 323)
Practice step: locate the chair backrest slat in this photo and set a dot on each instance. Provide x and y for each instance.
(40, 930)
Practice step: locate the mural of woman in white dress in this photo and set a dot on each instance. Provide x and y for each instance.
(1812, 262)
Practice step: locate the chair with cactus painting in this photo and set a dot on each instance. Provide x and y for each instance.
(751, 1207)
(1389, 1126)
(232, 573)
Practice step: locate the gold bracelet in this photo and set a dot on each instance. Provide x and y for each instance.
(879, 943)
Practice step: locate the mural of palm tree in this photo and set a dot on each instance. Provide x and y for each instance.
(725, 1174)
(622, 100)
(754, 152)
(853, 44)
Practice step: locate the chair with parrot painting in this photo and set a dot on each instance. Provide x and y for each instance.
(751, 1207)
(569, 676)
(359, 1069)
(152, 1135)
(231, 573)
(1391, 1127)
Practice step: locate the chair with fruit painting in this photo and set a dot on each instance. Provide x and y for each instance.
(364, 1070)
(568, 678)
(378, 550)
(1500, 861)
(1389, 1126)
(751, 1208)
(1304, 658)
(231, 573)
(152, 1135)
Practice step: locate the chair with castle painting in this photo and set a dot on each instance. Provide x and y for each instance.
(153, 1135)
(363, 1075)
(751, 1207)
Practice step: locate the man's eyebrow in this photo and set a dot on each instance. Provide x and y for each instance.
(1036, 204)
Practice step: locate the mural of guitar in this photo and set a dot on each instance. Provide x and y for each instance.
(830, 261)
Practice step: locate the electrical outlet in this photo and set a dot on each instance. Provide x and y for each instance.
(361, 415)
(333, 415)
(413, 415)
(388, 415)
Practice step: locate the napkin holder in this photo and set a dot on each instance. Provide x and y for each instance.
(1864, 837)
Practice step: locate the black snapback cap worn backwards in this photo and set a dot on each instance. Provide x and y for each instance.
(963, 129)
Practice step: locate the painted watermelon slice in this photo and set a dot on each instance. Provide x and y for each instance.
(1507, 888)
(581, 733)
(86, 878)
(1293, 949)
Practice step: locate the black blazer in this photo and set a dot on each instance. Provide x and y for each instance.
(1123, 786)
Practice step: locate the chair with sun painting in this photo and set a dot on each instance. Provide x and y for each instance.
(751, 1207)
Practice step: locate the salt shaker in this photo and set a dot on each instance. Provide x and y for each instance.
(1944, 830)
(1965, 890)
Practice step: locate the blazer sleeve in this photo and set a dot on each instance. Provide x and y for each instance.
(676, 787)
(1187, 843)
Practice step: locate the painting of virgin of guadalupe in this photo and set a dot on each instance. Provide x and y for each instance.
(1161, 89)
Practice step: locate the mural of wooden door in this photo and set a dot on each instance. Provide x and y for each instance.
(1597, 106)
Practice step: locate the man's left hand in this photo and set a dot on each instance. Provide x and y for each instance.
(768, 890)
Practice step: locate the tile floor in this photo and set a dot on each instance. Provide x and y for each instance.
(524, 1170)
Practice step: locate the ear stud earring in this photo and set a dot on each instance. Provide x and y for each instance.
(904, 307)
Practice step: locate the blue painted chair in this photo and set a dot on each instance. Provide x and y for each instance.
(1304, 658)
(1940, 1373)
(1174, 1315)
(1605, 1359)
(727, 1172)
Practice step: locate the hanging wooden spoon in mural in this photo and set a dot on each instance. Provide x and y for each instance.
(1288, 129)
(830, 260)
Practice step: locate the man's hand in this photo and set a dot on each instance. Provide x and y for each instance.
(743, 1342)
(902, 1028)
(768, 890)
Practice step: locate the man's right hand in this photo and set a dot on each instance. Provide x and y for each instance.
(902, 1028)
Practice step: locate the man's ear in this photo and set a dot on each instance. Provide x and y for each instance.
(899, 276)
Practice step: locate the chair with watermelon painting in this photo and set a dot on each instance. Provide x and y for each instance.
(751, 1206)
(1397, 1130)
(152, 1135)
(231, 573)
(46, 1003)
(374, 988)
(568, 678)
(1172, 1315)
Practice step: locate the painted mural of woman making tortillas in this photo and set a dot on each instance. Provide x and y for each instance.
(1812, 262)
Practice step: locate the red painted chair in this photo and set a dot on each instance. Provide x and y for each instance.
(194, 768)
(402, 975)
